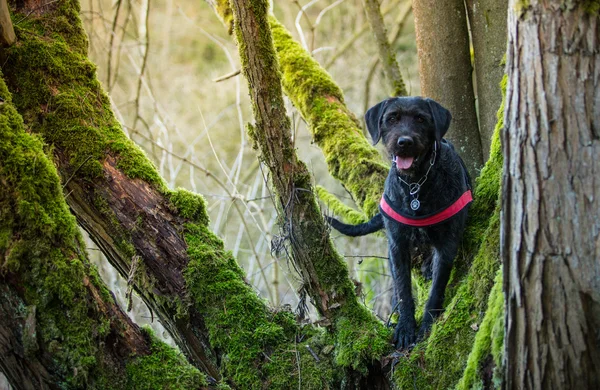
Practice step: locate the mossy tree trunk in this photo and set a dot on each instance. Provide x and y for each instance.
(59, 325)
(551, 244)
(446, 73)
(114, 191)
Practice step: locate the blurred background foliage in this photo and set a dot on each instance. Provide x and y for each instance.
(170, 69)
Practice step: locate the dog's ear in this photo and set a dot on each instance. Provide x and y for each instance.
(441, 119)
(373, 119)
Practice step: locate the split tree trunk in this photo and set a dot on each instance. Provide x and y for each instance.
(551, 240)
(446, 73)
(487, 19)
(301, 220)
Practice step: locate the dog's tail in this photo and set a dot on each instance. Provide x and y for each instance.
(375, 224)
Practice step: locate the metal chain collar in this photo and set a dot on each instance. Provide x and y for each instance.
(414, 188)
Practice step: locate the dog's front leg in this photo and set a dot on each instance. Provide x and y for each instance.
(442, 267)
(404, 335)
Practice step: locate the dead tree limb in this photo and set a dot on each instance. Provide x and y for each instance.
(387, 56)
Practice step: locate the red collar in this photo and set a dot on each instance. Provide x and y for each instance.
(428, 220)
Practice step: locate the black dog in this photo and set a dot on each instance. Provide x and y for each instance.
(424, 205)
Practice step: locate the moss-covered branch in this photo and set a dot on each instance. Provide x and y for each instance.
(324, 274)
(57, 93)
(60, 326)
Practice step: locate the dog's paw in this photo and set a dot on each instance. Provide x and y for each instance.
(404, 335)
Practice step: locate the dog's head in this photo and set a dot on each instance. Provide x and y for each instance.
(409, 127)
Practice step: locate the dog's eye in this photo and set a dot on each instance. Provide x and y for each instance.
(393, 118)
(419, 119)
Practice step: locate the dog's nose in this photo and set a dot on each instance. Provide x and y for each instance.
(405, 142)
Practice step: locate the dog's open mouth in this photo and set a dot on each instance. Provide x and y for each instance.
(403, 163)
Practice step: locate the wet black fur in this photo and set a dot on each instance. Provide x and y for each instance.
(423, 122)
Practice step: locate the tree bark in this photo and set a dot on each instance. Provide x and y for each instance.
(550, 240)
(7, 32)
(446, 73)
(272, 136)
(487, 19)
(387, 56)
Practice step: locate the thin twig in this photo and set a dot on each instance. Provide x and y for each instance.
(144, 62)
(299, 27)
(314, 355)
(348, 43)
(74, 172)
(111, 42)
(367, 256)
(123, 33)
(135, 260)
(228, 76)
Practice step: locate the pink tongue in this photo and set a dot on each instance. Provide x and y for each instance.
(404, 162)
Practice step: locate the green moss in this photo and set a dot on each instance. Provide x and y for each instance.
(60, 97)
(487, 185)
(360, 340)
(489, 337)
(189, 205)
(592, 7)
(439, 361)
(335, 206)
(163, 368)
(41, 228)
(223, 9)
(255, 340)
(42, 246)
(320, 101)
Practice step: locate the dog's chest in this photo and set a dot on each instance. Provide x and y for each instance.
(416, 236)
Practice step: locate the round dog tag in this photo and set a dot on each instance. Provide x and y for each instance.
(415, 204)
